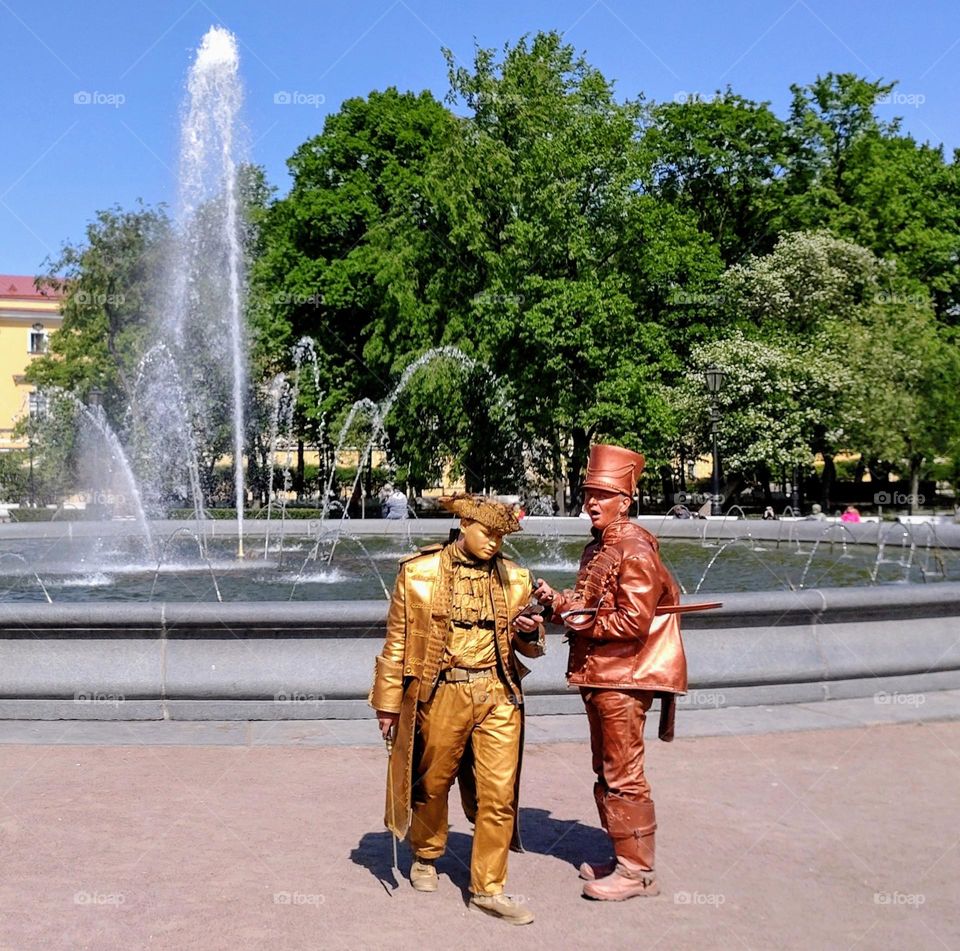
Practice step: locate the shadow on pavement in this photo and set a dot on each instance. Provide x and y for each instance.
(566, 839)
(374, 852)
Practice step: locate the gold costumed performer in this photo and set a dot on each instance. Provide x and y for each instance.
(623, 654)
(448, 684)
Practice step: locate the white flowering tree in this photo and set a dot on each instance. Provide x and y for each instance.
(830, 351)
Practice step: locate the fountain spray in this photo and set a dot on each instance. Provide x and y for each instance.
(206, 316)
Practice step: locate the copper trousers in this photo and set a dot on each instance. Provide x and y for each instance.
(483, 714)
(622, 794)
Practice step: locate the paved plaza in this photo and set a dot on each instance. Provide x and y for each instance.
(250, 836)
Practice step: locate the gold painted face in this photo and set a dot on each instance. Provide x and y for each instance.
(604, 506)
(477, 540)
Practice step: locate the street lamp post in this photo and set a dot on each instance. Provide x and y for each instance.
(714, 377)
(33, 494)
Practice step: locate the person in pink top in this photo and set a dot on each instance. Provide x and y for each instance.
(850, 515)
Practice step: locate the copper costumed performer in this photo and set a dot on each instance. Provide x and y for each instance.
(448, 683)
(623, 655)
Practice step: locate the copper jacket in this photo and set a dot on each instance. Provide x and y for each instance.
(628, 646)
(408, 667)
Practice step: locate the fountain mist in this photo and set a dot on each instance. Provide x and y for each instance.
(203, 322)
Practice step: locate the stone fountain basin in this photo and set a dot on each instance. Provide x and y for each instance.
(314, 660)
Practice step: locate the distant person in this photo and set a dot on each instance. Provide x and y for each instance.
(395, 505)
(768, 513)
(816, 513)
(851, 514)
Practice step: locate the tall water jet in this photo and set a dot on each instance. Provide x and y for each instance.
(204, 320)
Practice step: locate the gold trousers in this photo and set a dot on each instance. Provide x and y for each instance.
(482, 714)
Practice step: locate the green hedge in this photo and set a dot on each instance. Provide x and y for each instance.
(231, 514)
(48, 515)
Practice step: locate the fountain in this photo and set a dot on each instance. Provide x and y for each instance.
(378, 413)
(197, 363)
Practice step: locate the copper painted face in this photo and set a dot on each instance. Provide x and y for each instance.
(604, 506)
(479, 541)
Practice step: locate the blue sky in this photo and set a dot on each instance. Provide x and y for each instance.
(60, 161)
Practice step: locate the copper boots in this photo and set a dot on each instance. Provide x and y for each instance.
(631, 826)
(593, 870)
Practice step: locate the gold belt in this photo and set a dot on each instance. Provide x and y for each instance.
(466, 674)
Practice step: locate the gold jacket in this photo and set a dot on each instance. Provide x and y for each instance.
(407, 669)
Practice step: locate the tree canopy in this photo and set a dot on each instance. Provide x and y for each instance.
(588, 253)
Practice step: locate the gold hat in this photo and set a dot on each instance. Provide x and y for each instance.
(495, 515)
(613, 468)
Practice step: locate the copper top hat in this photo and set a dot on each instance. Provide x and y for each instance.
(495, 515)
(613, 468)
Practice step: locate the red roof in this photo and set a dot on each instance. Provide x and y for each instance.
(21, 286)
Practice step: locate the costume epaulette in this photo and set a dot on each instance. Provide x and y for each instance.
(426, 550)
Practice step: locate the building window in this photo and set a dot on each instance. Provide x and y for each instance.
(38, 339)
(38, 405)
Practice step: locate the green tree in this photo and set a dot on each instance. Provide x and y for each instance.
(832, 352)
(722, 160)
(340, 250)
(807, 279)
(111, 288)
(904, 378)
(856, 174)
(540, 192)
(346, 258)
(15, 476)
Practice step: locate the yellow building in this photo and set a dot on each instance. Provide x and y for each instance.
(27, 318)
